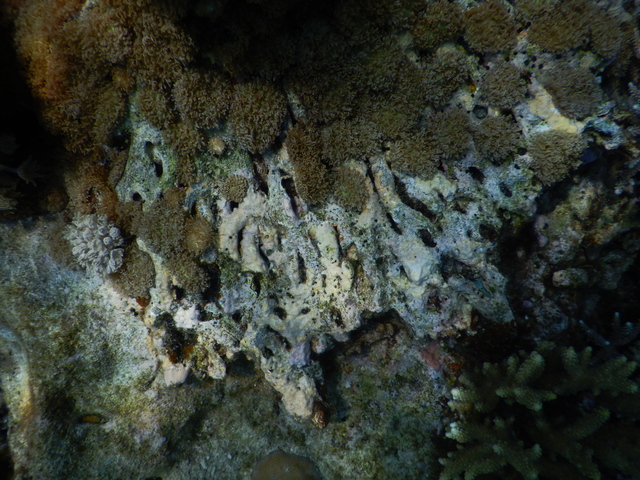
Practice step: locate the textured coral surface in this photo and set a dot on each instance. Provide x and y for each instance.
(234, 227)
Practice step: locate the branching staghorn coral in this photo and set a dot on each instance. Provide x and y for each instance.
(550, 413)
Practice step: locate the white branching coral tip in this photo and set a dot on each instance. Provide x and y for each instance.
(96, 243)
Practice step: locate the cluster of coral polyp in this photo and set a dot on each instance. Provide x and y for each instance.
(284, 166)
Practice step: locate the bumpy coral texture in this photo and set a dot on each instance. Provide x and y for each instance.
(257, 112)
(96, 243)
(554, 154)
(490, 27)
(234, 188)
(575, 91)
(440, 22)
(503, 86)
(350, 189)
(572, 24)
(497, 138)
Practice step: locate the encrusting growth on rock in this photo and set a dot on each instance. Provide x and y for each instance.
(554, 154)
(234, 188)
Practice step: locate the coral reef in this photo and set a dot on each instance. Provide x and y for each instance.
(295, 213)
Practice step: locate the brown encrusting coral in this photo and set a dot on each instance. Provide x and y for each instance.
(439, 22)
(418, 155)
(554, 154)
(343, 140)
(504, 86)
(572, 24)
(490, 27)
(350, 189)
(257, 112)
(234, 188)
(497, 138)
(451, 132)
(202, 98)
(575, 91)
(137, 274)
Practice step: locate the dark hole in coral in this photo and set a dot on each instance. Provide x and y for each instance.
(394, 226)
(121, 140)
(488, 232)
(376, 328)
(178, 343)
(193, 208)
(275, 339)
(263, 256)
(239, 239)
(260, 173)
(476, 174)
(290, 189)
(164, 320)
(280, 312)
(157, 169)
(178, 292)
(302, 270)
(402, 271)
(336, 317)
(412, 202)
(522, 151)
(236, 316)
(505, 190)
(266, 352)
(241, 366)
(212, 292)
(6, 461)
(304, 311)
(136, 197)
(370, 174)
(233, 205)
(459, 207)
(451, 266)
(255, 285)
(426, 238)
(480, 111)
